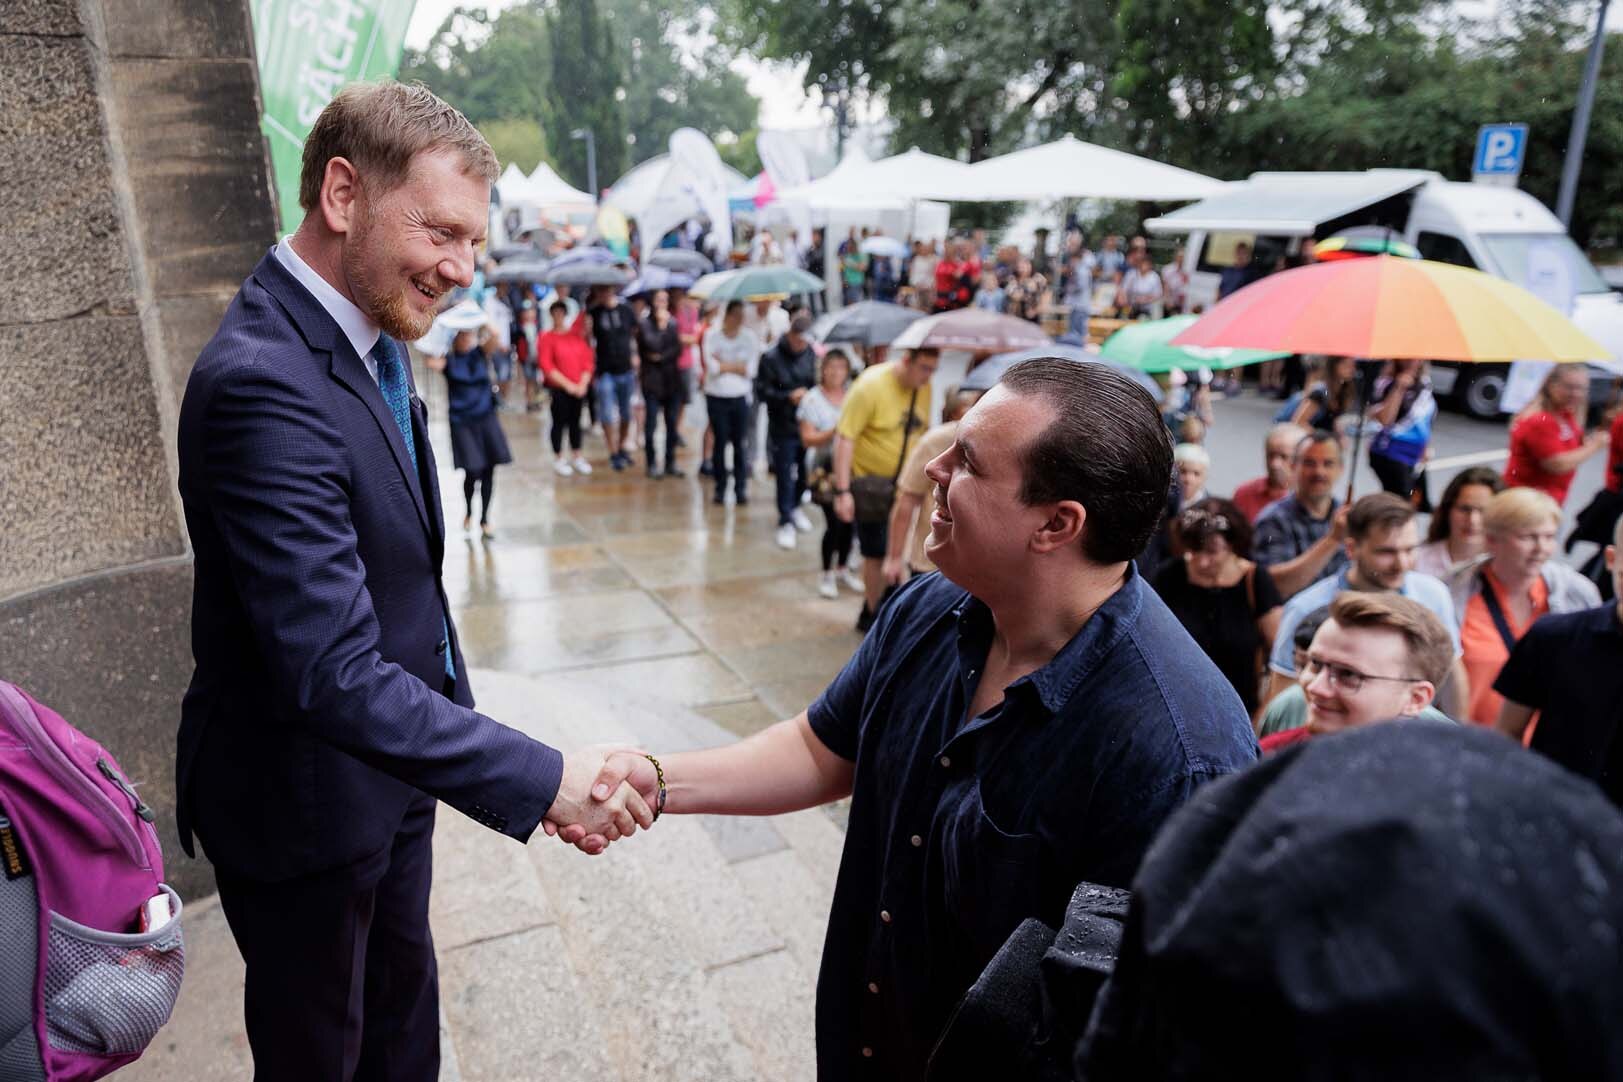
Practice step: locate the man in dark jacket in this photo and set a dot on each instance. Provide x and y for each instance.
(788, 370)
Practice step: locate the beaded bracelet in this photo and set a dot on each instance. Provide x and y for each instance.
(659, 804)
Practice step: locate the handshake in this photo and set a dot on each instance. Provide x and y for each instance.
(607, 792)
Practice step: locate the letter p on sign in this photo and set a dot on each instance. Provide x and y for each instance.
(1500, 150)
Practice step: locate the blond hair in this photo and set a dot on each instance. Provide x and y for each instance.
(379, 128)
(1520, 509)
(1430, 646)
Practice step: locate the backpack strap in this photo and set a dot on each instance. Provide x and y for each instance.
(1490, 598)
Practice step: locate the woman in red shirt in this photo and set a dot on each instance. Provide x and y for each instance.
(1547, 442)
(565, 360)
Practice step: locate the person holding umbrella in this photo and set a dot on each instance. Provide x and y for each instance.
(1404, 409)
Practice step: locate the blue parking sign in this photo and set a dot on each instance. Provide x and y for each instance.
(1500, 149)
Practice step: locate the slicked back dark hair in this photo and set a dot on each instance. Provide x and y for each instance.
(1106, 448)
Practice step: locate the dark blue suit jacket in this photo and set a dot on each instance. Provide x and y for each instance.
(316, 709)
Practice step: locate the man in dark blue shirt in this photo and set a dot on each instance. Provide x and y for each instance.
(1021, 722)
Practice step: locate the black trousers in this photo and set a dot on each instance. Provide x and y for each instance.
(341, 983)
(565, 421)
(728, 418)
(668, 407)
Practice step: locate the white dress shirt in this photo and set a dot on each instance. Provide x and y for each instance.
(357, 327)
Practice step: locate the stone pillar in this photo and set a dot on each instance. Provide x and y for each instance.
(135, 196)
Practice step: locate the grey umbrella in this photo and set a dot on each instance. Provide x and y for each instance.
(868, 323)
(989, 371)
(588, 273)
(520, 270)
(681, 259)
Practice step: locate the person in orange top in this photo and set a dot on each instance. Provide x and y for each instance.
(565, 359)
(1547, 441)
(1499, 598)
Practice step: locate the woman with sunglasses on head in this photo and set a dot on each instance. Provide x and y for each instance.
(1228, 604)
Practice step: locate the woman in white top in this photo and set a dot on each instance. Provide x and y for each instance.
(818, 414)
(732, 353)
(1456, 538)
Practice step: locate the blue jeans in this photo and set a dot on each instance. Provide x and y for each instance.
(728, 418)
(789, 467)
(1079, 320)
(614, 390)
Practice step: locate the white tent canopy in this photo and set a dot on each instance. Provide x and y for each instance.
(546, 186)
(1068, 168)
(857, 183)
(639, 188)
(513, 186)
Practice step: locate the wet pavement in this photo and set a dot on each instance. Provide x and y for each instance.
(640, 584)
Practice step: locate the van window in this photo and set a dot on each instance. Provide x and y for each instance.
(1442, 248)
(1518, 254)
(1218, 253)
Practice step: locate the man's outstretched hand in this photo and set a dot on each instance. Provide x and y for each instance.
(589, 821)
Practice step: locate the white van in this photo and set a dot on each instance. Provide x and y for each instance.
(1502, 231)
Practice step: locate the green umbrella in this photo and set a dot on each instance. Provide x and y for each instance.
(1144, 346)
(755, 283)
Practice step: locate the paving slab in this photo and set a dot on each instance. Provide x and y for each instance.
(772, 1008)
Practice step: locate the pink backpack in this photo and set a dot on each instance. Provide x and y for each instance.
(90, 933)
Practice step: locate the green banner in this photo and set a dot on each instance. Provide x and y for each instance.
(308, 50)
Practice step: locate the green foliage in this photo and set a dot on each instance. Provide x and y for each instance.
(585, 88)
(518, 141)
(739, 152)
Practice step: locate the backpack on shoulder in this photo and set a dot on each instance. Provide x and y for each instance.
(90, 932)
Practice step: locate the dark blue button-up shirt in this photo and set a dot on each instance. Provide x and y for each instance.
(468, 375)
(962, 828)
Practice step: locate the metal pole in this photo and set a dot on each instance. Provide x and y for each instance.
(591, 158)
(1580, 121)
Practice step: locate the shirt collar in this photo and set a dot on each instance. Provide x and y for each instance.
(357, 327)
(1055, 682)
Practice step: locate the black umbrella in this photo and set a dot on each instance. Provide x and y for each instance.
(868, 323)
(681, 259)
(514, 251)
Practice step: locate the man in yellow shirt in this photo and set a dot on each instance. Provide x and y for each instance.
(885, 411)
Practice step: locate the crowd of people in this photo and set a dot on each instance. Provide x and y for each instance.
(1061, 725)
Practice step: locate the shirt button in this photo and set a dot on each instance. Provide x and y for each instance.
(884, 915)
(874, 988)
(867, 1053)
(916, 840)
(945, 761)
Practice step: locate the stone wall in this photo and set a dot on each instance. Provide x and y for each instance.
(135, 196)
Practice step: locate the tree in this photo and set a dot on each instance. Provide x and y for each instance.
(586, 91)
(518, 141)
(675, 76)
(489, 69)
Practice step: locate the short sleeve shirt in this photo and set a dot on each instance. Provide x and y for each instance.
(961, 828)
(916, 482)
(1417, 587)
(1533, 439)
(1566, 667)
(874, 419)
(1285, 530)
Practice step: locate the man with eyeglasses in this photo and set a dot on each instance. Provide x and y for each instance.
(1375, 658)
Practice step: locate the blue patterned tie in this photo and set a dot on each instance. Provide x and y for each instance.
(392, 382)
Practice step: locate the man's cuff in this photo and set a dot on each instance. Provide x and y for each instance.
(541, 772)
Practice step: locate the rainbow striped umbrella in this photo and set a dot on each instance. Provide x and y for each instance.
(1389, 308)
(1362, 241)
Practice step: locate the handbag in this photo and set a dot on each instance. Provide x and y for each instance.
(820, 479)
(873, 495)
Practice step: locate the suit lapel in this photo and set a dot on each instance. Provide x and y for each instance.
(348, 369)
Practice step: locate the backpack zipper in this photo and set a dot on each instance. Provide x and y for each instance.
(68, 774)
(110, 772)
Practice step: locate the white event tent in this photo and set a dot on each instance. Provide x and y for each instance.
(1069, 168)
(639, 188)
(546, 186)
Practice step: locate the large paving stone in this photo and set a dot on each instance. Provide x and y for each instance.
(796, 903)
(197, 170)
(59, 222)
(485, 885)
(771, 1003)
(86, 485)
(517, 1012)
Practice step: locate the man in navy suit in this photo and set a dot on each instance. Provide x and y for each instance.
(330, 706)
